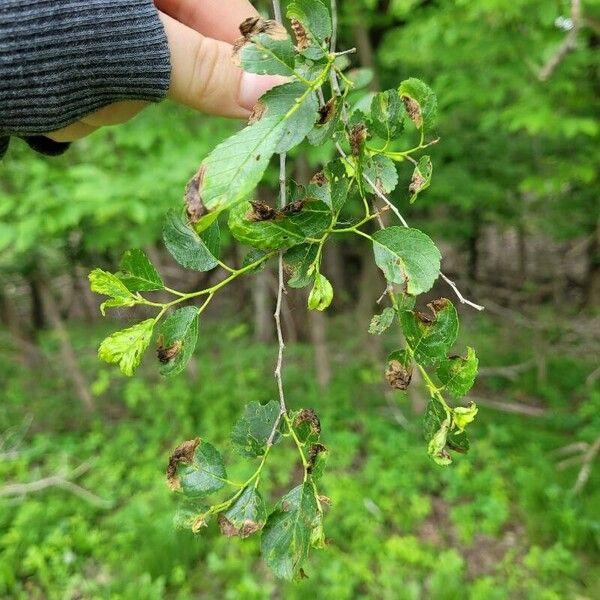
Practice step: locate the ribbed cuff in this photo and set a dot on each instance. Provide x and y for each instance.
(63, 59)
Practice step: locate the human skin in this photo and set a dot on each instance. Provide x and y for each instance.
(200, 35)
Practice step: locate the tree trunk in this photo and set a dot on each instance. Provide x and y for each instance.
(68, 357)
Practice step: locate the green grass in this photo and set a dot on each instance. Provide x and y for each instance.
(500, 523)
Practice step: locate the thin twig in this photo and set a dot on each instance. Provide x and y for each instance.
(586, 469)
(281, 283)
(568, 45)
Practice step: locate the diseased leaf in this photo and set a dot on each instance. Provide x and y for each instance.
(266, 55)
(252, 431)
(201, 474)
(399, 369)
(379, 323)
(177, 340)
(317, 459)
(103, 282)
(421, 177)
(300, 261)
(126, 347)
(286, 537)
(246, 516)
(314, 16)
(381, 170)
(463, 415)
(187, 247)
(431, 337)
(436, 425)
(458, 373)
(387, 115)
(321, 295)
(420, 102)
(306, 425)
(407, 256)
(138, 273)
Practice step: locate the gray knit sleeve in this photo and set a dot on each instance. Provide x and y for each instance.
(63, 59)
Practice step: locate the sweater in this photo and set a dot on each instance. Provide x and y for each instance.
(63, 59)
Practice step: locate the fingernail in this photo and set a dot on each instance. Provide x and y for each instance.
(253, 86)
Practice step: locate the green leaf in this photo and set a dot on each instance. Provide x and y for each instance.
(297, 126)
(138, 273)
(252, 257)
(264, 235)
(463, 415)
(315, 18)
(108, 284)
(266, 55)
(458, 374)
(300, 259)
(431, 337)
(387, 115)
(407, 256)
(204, 475)
(177, 340)
(246, 516)
(436, 425)
(306, 425)
(126, 347)
(286, 537)
(251, 433)
(313, 218)
(321, 295)
(420, 102)
(235, 167)
(331, 128)
(379, 323)
(189, 249)
(421, 177)
(317, 459)
(381, 170)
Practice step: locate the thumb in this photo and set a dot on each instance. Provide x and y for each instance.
(204, 77)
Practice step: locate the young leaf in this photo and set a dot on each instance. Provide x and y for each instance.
(430, 338)
(387, 115)
(108, 284)
(300, 261)
(126, 347)
(420, 102)
(407, 256)
(315, 19)
(421, 177)
(286, 537)
(200, 474)
(379, 323)
(381, 170)
(189, 249)
(177, 340)
(463, 415)
(138, 273)
(321, 295)
(252, 431)
(246, 516)
(436, 425)
(458, 373)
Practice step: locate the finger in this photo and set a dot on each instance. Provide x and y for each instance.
(204, 77)
(218, 19)
(72, 132)
(115, 113)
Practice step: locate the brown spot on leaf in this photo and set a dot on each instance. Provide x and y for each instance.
(397, 375)
(285, 506)
(437, 305)
(413, 109)
(166, 355)
(302, 574)
(294, 207)
(261, 212)
(424, 318)
(308, 415)
(253, 26)
(313, 452)
(302, 41)
(194, 207)
(325, 500)
(258, 110)
(184, 453)
(358, 135)
(416, 182)
(327, 111)
(230, 530)
(319, 179)
(198, 523)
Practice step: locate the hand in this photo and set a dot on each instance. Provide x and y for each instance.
(203, 76)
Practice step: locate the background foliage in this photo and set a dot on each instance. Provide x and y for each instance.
(516, 154)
